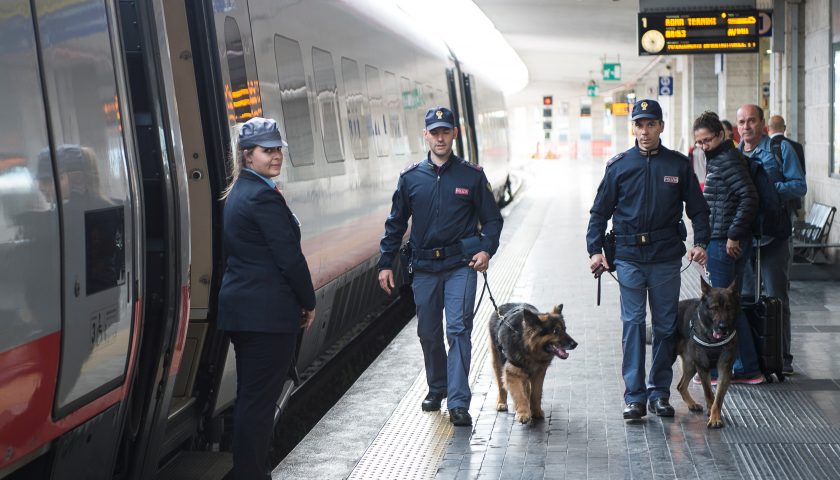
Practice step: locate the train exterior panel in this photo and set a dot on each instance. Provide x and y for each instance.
(114, 149)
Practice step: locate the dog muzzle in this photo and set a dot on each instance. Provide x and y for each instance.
(556, 350)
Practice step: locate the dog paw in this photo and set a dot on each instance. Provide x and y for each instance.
(715, 423)
(523, 417)
(697, 408)
(537, 413)
(501, 407)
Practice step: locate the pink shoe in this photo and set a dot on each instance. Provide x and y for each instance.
(696, 380)
(751, 380)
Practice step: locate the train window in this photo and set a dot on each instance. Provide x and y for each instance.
(355, 101)
(327, 95)
(242, 96)
(410, 104)
(378, 124)
(104, 249)
(396, 119)
(294, 97)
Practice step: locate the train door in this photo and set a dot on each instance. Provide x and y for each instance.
(451, 75)
(469, 116)
(94, 194)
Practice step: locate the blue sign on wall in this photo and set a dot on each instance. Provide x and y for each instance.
(666, 86)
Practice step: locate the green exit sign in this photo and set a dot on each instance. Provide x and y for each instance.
(592, 90)
(612, 71)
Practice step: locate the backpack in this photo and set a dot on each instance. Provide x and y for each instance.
(776, 147)
(772, 218)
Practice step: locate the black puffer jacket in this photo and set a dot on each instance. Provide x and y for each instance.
(730, 193)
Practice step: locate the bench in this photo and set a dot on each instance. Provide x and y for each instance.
(810, 236)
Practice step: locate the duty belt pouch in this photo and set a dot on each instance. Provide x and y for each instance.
(609, 249)
(682, 230)
(406, 266)
(469, 247)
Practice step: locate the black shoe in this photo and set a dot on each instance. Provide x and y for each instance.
(661, 407)
(432, 401)
(634, 411)
(460, 417)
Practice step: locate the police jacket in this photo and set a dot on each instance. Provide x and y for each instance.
(446, 205)
(644, 193)
(730, 193)
(266, 281)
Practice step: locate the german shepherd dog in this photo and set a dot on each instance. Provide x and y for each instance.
(706, 339)
(523, 342)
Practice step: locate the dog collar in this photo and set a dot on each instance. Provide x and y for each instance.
(713, 345)
(704, 343)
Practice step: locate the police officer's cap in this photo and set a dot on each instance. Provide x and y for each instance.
(439, 117)
(261, 132)
(646, 109)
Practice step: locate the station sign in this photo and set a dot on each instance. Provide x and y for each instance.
(612, 71)
(683, 33)
(666, 86)
(620, 109)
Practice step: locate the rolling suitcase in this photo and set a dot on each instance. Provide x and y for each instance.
(765, 319)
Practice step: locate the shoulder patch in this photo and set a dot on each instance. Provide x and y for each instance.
(472, 165)
(410, 168)
(615, 158)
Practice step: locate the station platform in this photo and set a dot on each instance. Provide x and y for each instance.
(773, 431)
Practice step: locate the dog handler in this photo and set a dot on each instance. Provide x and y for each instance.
(446, 197)
(643, 191)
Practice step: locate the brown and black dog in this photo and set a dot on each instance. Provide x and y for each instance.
(707, 339)
(523, 342)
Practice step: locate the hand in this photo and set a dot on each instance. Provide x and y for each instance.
(733, 248)
(386, 280)
(598, 264)
(697, 254)
(307, 318)
(480, 261)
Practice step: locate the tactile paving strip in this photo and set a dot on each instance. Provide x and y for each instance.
(786, 462)
(412, 442)
(759, 407)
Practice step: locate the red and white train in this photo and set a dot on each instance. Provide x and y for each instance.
(115, 133)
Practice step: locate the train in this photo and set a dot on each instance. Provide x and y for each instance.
(116, 132)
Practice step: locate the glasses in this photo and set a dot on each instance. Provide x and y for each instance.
(705, 141)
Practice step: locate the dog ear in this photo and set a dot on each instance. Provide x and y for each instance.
(530, 317)
(558, 309)
(704, 287)
(733, 287)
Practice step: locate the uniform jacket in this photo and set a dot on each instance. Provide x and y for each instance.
(446, 206)
(267, 280)
(730, 193)
(644, 192)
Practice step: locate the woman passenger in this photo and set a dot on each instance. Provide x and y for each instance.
(733, 202)
(266, 295)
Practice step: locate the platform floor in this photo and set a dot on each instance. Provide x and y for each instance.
(775, 431)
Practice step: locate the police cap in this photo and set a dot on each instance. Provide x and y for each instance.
(439, 117)
(646, 109)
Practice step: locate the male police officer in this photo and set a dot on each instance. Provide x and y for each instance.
(446, 197)
(643, 190)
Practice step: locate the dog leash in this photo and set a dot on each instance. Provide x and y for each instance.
(490, 294)
(598, 276)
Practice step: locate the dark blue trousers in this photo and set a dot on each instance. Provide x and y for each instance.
(453, 291)
(262, 366)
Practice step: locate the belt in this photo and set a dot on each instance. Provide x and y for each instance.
(647, 238)
(439, 253)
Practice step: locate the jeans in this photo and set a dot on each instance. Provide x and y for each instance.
(722, 269)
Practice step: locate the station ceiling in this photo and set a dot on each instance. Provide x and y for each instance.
(564, 42)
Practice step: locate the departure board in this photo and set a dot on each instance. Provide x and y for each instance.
(682, 33)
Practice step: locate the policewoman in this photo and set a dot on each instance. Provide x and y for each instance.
(266, 295)
(643, 191)
(447, 198)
